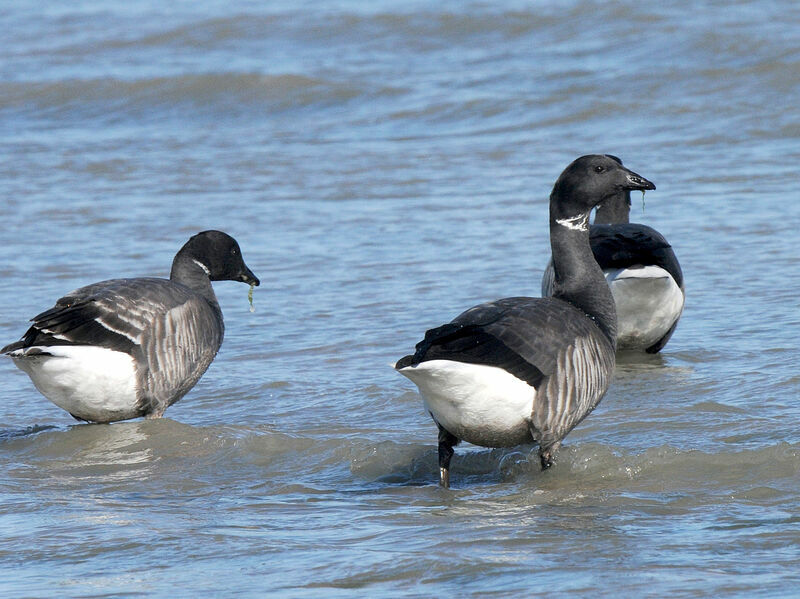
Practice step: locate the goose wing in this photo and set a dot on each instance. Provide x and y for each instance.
(624, 245)
(112, 314)
(522, 335)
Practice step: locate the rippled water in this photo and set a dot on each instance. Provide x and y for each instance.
(384, 167)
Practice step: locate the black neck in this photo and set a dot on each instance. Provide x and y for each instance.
(614, 210)
(191, 272)
(579, 279)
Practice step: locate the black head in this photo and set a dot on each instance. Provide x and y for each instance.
(590, 180)
(220, 256)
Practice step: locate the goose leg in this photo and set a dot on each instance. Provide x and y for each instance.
(547, 455)
(446, 444)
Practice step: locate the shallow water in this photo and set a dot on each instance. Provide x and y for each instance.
(385, 167)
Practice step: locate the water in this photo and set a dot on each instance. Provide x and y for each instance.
(384, 167)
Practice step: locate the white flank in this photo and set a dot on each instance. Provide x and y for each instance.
(576, 223)
(648, 302)
(484, 405)
(92, 383)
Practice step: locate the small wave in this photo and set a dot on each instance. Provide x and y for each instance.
(391, 462)
(584, 465)
(418, 29)
(212, 93)
(28, 431)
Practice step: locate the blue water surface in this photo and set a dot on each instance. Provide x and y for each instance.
(385, 166)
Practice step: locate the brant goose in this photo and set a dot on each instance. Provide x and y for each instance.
(520, 369)
(125, 348)
(642, 271)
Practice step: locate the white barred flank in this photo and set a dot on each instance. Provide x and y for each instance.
(178, 350)
(582, 375)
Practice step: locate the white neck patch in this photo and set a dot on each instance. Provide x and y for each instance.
(575, 223)
(203, 266)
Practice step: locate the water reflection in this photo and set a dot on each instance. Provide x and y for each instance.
(113, 453)
(633, 361)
